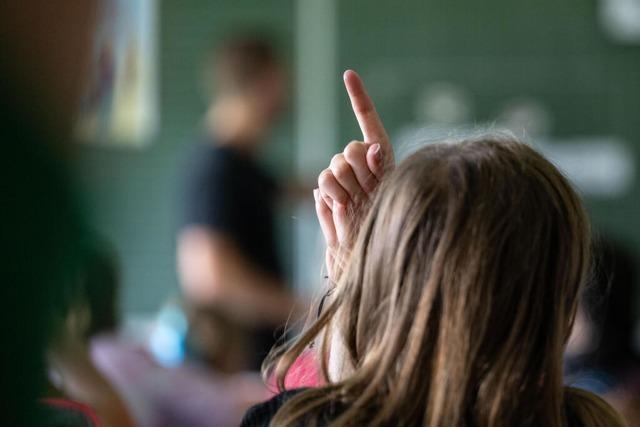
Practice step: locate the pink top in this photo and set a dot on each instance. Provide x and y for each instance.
(305, 372)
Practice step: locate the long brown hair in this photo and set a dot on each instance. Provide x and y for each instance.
(456, 300)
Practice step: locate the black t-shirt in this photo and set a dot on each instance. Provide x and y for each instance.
(260, 415)
(227, 191)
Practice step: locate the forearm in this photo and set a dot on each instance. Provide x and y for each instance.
(81, 381)
(214, 272)
(255, 298)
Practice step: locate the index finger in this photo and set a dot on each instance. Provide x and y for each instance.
(366, 114)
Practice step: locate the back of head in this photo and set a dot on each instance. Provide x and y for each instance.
(100, 286)
(246, 85)
(239, 64)
(455, 303)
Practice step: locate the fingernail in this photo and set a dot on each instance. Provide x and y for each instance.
(315, 195)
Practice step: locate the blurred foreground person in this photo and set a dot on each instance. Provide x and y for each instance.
(600, 355)
(228, 259)
(44, 58)
(154, 395)
(40, 230)
(73, 373)
(455, 282)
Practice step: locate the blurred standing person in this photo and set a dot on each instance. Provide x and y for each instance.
(72, 371)
(227, 253)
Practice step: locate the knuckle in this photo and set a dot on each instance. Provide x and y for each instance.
(341, 170)
(354, 150)
(325, 177)
(337, 158)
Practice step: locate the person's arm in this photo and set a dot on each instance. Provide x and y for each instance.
(80, 379)
(84, 383)
(213, 271)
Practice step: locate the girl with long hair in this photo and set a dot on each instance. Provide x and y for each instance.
(455, 281)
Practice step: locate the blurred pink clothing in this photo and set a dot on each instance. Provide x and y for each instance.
(187, 395)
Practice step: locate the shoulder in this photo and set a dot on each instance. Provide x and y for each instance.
(261, 414)
(210, 167)
(587, 409)
(208, 155)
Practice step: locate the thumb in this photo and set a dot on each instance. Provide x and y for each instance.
(376, 161)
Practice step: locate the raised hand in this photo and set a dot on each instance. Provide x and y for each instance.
(353, 175)
(370, 124)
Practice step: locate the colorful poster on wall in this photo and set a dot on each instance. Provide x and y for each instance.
(121, 104)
